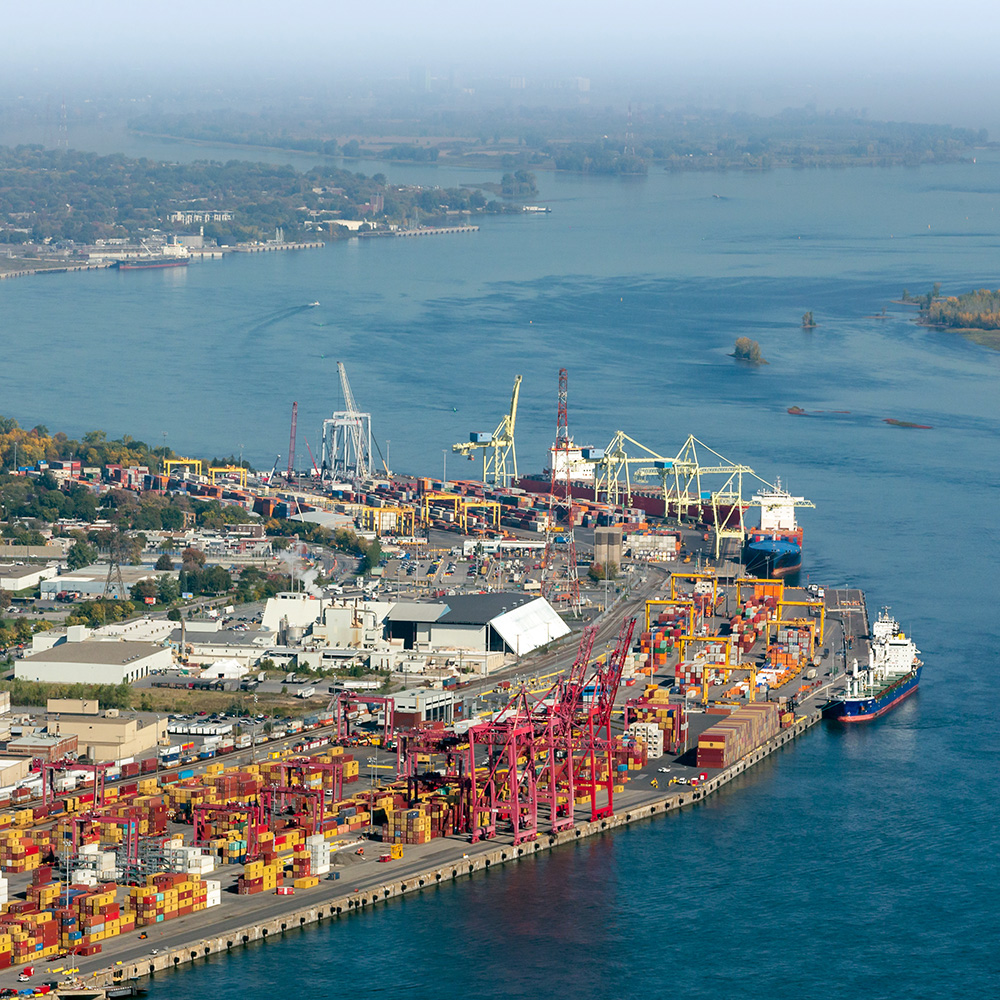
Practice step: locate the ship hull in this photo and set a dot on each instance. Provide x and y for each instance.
(772, 561)
(649, 502)
(866, 709)
(773, 557)
(139, 265)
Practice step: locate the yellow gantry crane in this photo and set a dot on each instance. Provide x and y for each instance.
(238, 472)
(169, 464)
(496, 447)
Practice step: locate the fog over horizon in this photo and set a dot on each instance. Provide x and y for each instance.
(923, 64)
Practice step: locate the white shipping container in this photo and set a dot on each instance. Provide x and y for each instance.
(650, 734)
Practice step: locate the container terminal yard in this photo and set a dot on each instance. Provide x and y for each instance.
(634, 700)
(183, 863)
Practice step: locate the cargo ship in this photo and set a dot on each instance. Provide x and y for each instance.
(775, 548)
(174, 254)
(893, 673)
(143, 263)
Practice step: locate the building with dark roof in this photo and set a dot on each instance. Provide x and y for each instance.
(506, 622)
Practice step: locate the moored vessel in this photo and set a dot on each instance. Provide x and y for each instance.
(173, 254)
(775, 548)
(144, 263)
(892, 674)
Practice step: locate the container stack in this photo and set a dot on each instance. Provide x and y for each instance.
(733, 738)
(213, 893)
(43, 892)
(94, 917)
(301, 865)
(259, 877)
(18, 851)
(671, 719)
(188, 860)
(657, 644)
(164, 897)
(319, 854)
(650, 734)
(409, 826)
(691, 673)
(32, 937)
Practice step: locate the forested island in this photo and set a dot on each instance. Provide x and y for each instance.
(975, 314)
(584, 139)
(746, 349)
(51, 195)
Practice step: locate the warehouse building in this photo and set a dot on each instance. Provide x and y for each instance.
(15, 578)
(77, 657)
(91, 581)
(420, 705)
(108, 735)
(512, 623)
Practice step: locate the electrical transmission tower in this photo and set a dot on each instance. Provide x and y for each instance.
(119, 551)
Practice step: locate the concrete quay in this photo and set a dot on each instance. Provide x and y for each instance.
(62, 269)
(273, 247)
(225, 932)
(436, 231)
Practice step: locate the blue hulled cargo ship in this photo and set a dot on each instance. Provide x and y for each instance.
(893, 673)
(775, 548)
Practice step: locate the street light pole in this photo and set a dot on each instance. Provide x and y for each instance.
(444, 466)
(371, 801)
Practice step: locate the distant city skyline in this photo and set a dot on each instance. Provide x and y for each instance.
(916, 64)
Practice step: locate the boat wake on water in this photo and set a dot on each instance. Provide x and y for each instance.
(277, 317)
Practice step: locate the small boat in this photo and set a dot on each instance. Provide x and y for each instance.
(797, 411)
(312, 305)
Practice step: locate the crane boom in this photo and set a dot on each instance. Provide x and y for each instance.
(311, 457)
(497, 447)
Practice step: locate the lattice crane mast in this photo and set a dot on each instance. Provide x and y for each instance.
(347, 437)
(291, 441)
(497, 447)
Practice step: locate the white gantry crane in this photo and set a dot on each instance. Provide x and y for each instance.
(497, 447)
(347, 438)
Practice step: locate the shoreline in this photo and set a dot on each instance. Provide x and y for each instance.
(464, 860)
(978, 335)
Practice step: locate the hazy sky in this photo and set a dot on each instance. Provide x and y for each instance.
(871, 53)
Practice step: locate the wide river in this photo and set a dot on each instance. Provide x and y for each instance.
(860, 863)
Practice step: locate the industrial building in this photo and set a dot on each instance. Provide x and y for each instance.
(512, 623)
(15, 578)
(205, 642)
(45, 747)
(420, 705)
(14, 770)
(105, 735)
(77, 657)
(608, 546)
(92, 580)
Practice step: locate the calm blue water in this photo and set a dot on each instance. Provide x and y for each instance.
(860, 862)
